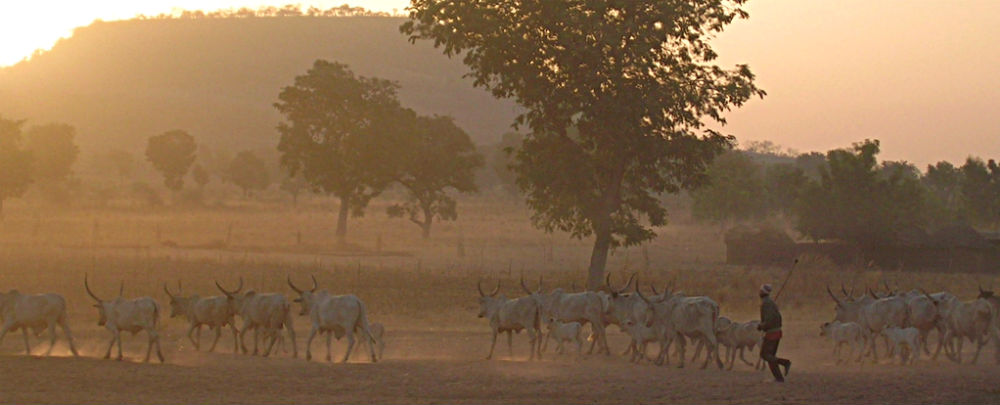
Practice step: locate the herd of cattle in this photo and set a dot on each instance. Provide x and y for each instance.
(669, 318)
(903, 320)
(267, 314)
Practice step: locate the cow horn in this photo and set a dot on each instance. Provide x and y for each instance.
(928, 295)
(539, 290)
(87, 286)
(228, 294)
(496, 290)
(652, 286)
(886, 285)
(121, 289)
(844, 290)
(872, 293)
(524, 287)
(167, 290)
(290, 284)
(479, 286)
(572, 286)
(315, 284)
(980, 287)
(839, 304)
(643, 297)
(627, 283)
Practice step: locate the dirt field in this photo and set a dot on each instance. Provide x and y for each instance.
(424, 292)
(448, 367)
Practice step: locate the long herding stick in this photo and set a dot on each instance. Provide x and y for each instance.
(787, 277)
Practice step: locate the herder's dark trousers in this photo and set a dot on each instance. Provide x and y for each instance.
(768, 352)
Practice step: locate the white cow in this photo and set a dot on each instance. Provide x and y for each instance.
(336, 315)
(36, 312)
(972, 320)
(135, 315)
(994, 301)
(214, 312)
(586, 307)
(378, 333)
(267, 313)
(564, 332)
(904, 340)
(737, 337)
(845, 333)
(511, 315)
(642, 336)
(882, 313)
(678, 317)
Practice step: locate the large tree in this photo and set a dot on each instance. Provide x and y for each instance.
(735, 190)
(339, 133)
(980, 186)
(249, 173)
(438, 156)
(855, 201)
(15, 162)
(636, 81)
(172, 153)
(54, 151)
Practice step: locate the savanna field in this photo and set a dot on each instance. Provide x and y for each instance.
(424, 292)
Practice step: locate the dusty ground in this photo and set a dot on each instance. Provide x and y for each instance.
(434, 366)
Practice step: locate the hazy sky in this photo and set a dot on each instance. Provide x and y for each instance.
(923, 76)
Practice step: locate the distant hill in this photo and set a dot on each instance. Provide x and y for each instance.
(120, 82)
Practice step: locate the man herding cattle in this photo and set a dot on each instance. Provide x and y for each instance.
(770, 324)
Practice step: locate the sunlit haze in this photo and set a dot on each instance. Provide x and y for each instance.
(918, 75)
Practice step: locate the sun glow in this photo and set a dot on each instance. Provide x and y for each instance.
(30, 26)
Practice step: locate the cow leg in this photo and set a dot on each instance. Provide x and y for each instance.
(149, 346)
(980, 342)
(275, 334)
(107, 354)
(492, 345)
(256, 338)
(579, 345)
(545, 342)
(510, 343)
(237, 340)
(532, 342)
(118, 336)
(154, 337)
(958, 350)
(191, 337)
(291, 336)
(52, 338)
(681, 350)
(69, 336)
(27, 345)
(593, 340)
(743, 359)
(329, 339)
(309, 340)
(218, 334)
(350, 345)
(697, 350)
(243, 340)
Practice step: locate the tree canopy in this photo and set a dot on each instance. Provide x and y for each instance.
(616, 94)
(54, 151)
(436, 156)
(339, 132)
(15, 162)
(249, 173)
(172, 153)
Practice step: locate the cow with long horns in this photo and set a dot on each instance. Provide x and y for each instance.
(583, 307)
(336, 315)
(266, 314)
(511, 315)
(128, 315)
(214, 312)
(677, 317)
(36, 312)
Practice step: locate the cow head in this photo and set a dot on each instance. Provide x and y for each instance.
(985, 294)
(103, 306)
(306, 298)
(824, 329)
(178, 303)
(489, 304)
(233, 298)
(615, 292)
(848, 310)
(648, 313)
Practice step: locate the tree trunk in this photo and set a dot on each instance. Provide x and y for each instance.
(599, 256)
(426, 225)
(1, 208)
(345, 208)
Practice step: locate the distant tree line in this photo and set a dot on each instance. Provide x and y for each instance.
(847, 194)
(288, 10)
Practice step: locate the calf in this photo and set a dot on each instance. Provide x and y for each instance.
(906, 341)
(849, 333)
(564, 332)
(214, 312)
(737, 337)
